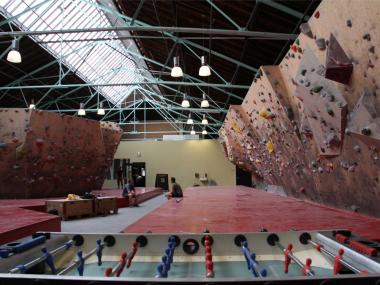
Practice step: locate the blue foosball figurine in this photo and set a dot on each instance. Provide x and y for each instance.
(99, 251)
(49, 260)
(80, 263)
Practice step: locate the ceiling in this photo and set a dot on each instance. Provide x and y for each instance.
(221, 30)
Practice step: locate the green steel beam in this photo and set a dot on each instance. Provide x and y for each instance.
(228, 18)
(30, 8)
(135, 15)
(277, 5)
(174, 38)
(155, 82)
(160, 29)
(199, 110)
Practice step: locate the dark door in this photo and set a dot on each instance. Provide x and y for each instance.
(139, 174)
(243, 178)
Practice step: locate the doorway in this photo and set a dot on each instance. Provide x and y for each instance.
(139, 174)
(243, 178)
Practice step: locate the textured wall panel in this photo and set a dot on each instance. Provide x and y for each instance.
(44, 154)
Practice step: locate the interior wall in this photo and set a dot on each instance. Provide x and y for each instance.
(181, 159)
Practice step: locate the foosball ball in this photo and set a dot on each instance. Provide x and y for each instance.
(324, 257)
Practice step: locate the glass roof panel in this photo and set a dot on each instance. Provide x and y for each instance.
(94, 61)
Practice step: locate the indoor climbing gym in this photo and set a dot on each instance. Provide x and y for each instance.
(189, 142)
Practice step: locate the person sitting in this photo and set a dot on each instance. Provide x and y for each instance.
(129, 191)
(176, 191)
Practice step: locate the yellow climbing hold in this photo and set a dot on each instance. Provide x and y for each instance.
(270, 147)
(264, 113)
(20, 150)
(236, 128)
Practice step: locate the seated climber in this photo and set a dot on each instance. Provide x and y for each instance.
(129, 191)
(176, 191)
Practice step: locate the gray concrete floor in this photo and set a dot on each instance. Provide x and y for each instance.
(113, 223)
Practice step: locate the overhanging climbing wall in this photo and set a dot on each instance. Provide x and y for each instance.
(312, 124)
(43, 154)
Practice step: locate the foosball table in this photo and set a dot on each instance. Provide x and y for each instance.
(323, 257)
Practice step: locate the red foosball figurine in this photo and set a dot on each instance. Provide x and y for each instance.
(287, 257)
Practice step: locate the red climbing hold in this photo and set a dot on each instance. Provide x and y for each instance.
(317, 14)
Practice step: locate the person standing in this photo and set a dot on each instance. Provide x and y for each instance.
(119, 175)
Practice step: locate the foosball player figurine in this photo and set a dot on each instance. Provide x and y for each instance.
(287, 257)
(307, 267)
(122, 263)
(99, 251)
(49, 260)
(80, 263)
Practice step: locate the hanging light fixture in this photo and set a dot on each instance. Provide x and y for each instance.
(190, 120)
(204, 120)
(204, 131)
(32, 105)
(14, 55)
(204, 70)
(176, 70)
(100, 109)
(204, 103)
(81, 111)
(192, 132)
(185, 103)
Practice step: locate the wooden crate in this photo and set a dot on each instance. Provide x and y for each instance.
(71, 208)
(105, 205)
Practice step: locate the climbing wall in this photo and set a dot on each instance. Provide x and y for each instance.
(43, 154)
(314, 120)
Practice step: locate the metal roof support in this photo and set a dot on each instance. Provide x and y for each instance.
(154, 82)
(283, 8)
(30, 8)
(143, 27)
(135, 15)
(224, 15)
(174, 38)
(186, 76)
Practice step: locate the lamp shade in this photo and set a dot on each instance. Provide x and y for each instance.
(81, 111)
(14, 55)
(204, 120)
(32, 105)
(204, 103)
(101, 110)
(204, 132)
(192, 132)
(190, 120)
(176, 70)
(185, 103)
(204, 70)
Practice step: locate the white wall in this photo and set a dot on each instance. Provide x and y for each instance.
(181, 159)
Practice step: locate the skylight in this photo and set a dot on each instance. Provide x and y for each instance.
(98, 62)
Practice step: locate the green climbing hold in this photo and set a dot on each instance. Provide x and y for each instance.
(297, 42)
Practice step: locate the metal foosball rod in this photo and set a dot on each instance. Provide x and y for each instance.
(274, 240)
(79, 262)
(126, 259)
(118, 268)
(77, 240)
(251, 261)
(338, 259)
